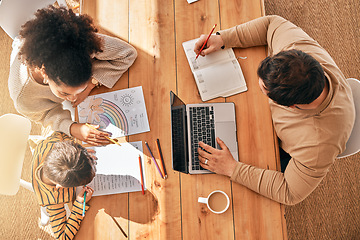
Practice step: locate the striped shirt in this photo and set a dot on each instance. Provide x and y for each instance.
(51, 197)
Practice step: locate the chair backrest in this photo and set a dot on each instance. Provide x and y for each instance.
(14, 133)
(353, 144)
(14, 13)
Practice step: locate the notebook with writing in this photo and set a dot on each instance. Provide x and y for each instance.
(216, 75)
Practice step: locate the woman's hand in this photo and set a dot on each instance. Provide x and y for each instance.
(90, 135)
(219, 161)
(89, 193)
(214, 43)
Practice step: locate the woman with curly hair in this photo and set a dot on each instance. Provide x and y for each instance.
(60, 56)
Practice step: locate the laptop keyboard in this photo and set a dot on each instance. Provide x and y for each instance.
(202, 129)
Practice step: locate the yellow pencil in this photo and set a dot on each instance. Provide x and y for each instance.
(111, 140)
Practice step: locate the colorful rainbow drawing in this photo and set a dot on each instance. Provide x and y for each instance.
(114, 115)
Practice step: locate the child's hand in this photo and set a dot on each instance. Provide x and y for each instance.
(89, 193)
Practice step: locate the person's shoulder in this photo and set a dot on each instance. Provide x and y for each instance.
(18, 78)
(277, 20)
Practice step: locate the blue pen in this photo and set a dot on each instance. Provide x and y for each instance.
(83, 214)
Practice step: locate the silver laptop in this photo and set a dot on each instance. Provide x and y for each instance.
(204, 122)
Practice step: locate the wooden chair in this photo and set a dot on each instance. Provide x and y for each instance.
(353, 144)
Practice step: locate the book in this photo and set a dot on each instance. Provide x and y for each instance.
(216, 75)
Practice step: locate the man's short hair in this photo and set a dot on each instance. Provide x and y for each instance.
(292, 77)
(69, 164)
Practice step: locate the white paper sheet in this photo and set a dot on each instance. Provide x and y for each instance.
(121, 112)
(118, 169)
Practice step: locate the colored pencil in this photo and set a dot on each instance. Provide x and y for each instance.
(205, 41)
(161, 157)
(111, 140)
(141, 175)
(83, 214)
(152, 156)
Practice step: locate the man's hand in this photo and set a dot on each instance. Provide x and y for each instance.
(214, 43)
(219, 161)
(88, 134)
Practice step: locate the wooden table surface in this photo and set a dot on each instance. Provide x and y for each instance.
(169, 209)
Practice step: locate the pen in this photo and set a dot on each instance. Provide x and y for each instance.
(141, 175)
(205, 42)
(83, 214)
(111, 140)
(161, 157)
(152, 156)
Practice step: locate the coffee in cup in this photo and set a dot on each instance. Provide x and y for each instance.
(217, 201)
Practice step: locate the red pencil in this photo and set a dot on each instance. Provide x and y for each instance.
(205, 41)
(141, 174)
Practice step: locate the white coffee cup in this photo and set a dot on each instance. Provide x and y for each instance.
(217, 201)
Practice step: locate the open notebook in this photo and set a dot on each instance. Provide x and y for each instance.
(217, 74)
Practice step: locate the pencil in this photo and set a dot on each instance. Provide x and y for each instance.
(161, 157)
(141, 175)
(111, 140)
(117, 224)
(205, 41)
(152, 156)
(83, 214)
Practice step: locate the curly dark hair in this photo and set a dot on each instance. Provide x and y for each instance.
(292, 77)
(62, 43)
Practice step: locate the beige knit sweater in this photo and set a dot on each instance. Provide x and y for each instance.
(39, 104)
(313, 138)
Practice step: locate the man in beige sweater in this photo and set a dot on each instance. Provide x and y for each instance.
(311, 106)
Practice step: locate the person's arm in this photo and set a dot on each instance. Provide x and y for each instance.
(67, 228)
(288, 188)
(50, 113)
(273, 31)
(45, 111)
(115, 59)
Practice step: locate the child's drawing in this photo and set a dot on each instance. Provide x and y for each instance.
(120, 112)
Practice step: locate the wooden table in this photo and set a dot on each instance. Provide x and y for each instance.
(169, 209)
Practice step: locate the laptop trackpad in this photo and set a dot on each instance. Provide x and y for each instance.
(226, 131)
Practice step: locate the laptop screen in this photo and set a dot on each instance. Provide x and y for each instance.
(178, 134)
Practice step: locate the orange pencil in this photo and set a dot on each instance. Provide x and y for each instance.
(141, 175)
(161, 158)
(205, 41)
